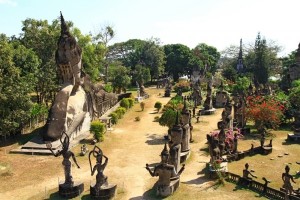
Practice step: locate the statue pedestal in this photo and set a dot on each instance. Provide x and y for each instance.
(295, 137)
(165, 191)
(69, 192)
(207, 112)
(106, 192)
(184, 156)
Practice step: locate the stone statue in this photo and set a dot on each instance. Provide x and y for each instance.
(101, 189)
(175, 142)
(287, 178)
(99, 167)
(168, 180)
(68, 57)
(67, 154)
(247, 172)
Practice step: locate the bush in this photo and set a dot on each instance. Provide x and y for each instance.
(158, 105)
(108, 88)
(120, 112)
(131, 102)
(114, 117)
(183, 84)
(266, 112)
(97, 128)
(125, 103)
(142, 104)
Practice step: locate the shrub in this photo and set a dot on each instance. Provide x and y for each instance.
(168, 118)
(97, 128)
(108, 88)
(137, 119)
(120, 112)
(142, 104)
(125, 103)
(183, 84)
(114, 117)
(266, 112)
(158, 105)
(131, 102)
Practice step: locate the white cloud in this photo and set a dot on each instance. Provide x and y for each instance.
(8, 2)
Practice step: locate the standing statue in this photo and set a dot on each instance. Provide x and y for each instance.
(100, 190)
(99, 166)
(68, 189)
(67, 154)
(168, 180)
(287, 178)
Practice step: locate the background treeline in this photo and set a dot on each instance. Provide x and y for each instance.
(29, 77)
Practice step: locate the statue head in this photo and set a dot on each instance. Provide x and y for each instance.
(165, 154)
(246, 165)
(287, 169)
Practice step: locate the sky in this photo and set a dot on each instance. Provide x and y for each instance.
(218, 23)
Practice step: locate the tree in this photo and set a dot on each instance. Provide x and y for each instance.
(121, 79)
(41, 37)
(262, 60)
(153, 57)
(102, 39)
(230, 73)
(141, 75)
(15, 102)
(178, 57)
(208, 55)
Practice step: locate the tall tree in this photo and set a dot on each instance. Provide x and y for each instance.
(209, 56)
(15, 102)
(41, 37)
(178, 57)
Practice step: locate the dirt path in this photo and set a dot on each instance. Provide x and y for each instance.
(129, 146)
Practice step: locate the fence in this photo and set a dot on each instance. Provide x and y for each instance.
(259, 187)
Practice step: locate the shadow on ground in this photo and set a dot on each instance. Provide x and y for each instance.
(155, 139)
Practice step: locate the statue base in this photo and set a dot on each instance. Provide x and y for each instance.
(165, 191)
(207, 112)
(184, 156)
(70, 191)
(214, 173)
(106, 192)
(294, 137)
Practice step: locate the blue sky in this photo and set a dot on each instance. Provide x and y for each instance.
(219, 23)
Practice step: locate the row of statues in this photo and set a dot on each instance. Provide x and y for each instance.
(69, 189)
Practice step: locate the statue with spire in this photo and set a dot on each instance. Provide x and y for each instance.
(240, 66)
(169, 179)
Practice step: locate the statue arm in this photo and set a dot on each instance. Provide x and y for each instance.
(74, 159)
(94, 169)
(49, 146)
(293, 179)
(181, 170)
(149, 170)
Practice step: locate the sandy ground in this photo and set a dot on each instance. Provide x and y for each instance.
(129, 146)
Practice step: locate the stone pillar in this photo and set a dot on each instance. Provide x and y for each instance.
(175, 144)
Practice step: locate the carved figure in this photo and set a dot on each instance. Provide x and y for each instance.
(247, 172)
(166, 172)
(287, 178)
(67, 154)
(101, 179)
